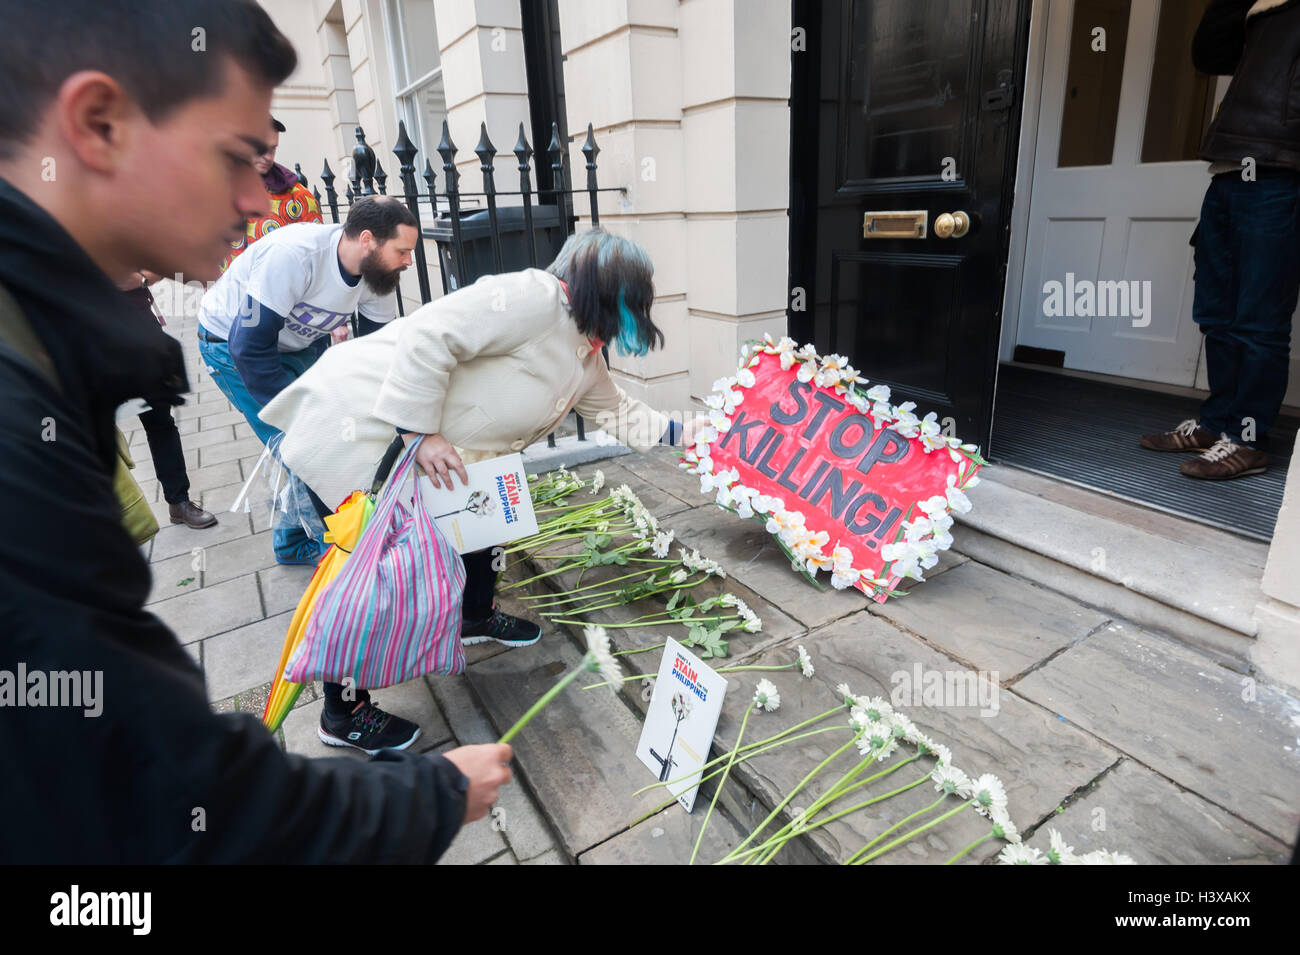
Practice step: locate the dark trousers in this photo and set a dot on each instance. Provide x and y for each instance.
(1247, 281)
(168, 456)
(480, 585)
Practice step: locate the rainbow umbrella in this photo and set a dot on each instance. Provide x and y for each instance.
(343, 529)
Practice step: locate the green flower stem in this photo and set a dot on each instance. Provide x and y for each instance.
(561, 598)
(634, 676)
(721, 783)
(750, 750)
(541, 704)
(647, 594)
(644, 578)
(686, 621)
(918, 830)
(969, 848)
(737, 669)
(852, 860)
(657, 646)
(786, 801)
(834, 794)
(832, 818)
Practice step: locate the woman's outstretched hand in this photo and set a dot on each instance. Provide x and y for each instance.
(437, 458)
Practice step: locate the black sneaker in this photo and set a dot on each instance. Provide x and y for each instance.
(501, 627)
(369, 729)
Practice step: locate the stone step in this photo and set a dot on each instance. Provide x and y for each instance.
(579, 757)
(1195, 583)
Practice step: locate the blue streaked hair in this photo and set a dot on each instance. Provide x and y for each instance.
(611, 289)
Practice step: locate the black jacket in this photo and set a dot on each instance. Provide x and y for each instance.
(157, 776)
(1260, 113)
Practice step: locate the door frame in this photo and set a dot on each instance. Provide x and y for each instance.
(805, 88)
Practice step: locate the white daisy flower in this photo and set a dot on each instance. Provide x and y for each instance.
(988, 794)
(766, 696)
(879, 393)
(878, 710)
(598, 481)
(805, 662)
(745, 378)
(877, 740)
(1004, 828)
(678, 576)
(951, 780)
(599, 658)
(1014, 854)
(1060, 853)
(847, 694)
(663, 541)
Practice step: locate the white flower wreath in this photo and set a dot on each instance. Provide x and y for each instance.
(920, 537)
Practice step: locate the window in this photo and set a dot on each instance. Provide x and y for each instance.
(417, 79)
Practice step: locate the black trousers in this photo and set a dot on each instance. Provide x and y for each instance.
(168, 456)
(480, 586)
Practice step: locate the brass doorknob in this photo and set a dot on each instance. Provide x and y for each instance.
(951, 225)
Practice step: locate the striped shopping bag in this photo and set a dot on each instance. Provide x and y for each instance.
(394, 611)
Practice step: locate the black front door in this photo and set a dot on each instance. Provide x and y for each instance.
(904, 125)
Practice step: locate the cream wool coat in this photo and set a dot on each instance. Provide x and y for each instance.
(492, 367)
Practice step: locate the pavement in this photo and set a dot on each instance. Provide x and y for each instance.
(1118, 735)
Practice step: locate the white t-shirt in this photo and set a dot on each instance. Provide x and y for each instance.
(293, 271)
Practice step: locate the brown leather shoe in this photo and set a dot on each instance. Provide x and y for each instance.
(190, 514)
(1188, 436)
(1226, 460)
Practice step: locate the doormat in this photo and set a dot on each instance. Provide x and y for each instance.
(1087, 432)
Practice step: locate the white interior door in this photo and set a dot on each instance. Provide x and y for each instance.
(1117, 190)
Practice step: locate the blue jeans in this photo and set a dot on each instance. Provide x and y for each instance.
(1247, 281)
(288, 537)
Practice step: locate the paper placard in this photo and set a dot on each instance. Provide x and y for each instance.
(494, 508)
(681, 720)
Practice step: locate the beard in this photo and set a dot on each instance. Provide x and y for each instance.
(381, 280)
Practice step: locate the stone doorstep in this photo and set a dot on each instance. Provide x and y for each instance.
(1203, 588)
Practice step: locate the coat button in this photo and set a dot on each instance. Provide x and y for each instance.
(584, 351)
(517, 445)
(560, 404)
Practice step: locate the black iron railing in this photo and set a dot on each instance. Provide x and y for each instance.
(445, 208)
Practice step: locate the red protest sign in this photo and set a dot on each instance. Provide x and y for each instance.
(848, 482)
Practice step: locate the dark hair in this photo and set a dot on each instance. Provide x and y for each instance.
(611, 289)
(380, 214)
(151, 47)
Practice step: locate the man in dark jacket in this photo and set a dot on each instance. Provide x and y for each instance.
(127, 134)
(1248, 237)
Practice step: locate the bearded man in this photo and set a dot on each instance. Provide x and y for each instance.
(276, 308)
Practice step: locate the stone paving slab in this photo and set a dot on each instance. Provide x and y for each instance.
(751, 556)
(211, 610)
(235, 558)
(662, 504)
(989, 620)
(174, 576)
(282, 585)
(658, 466)
(528, 834)
(1039, 759)
(1176, 711)
(1138, 812)
(476, 842)
(174, 539)
(668, 838)
(244, 657)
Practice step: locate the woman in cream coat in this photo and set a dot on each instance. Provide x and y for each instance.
(484, 371)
